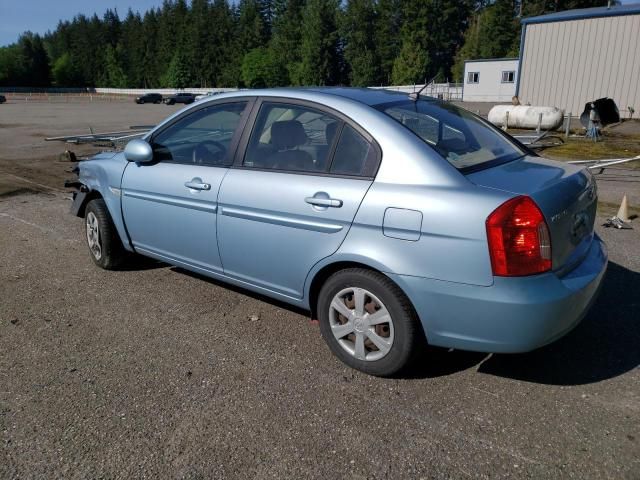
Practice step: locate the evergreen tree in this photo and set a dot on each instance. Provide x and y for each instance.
(36, 62)
(411, 65)
(358, 32)
(111, 27)
(131, 45)
(151, 63)
(387, 36)
(252, 27)
(260, 69)
(287, 35)
(25, 63)
(199, 45)
(499, 30)
(63, 72)
(178, 74)
(450, 20)
(273, 42)
(224, 54)
(320, 62)
(114, 75)
(12, 65)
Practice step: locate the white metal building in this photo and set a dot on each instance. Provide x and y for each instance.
(490, 80)
(570, 58)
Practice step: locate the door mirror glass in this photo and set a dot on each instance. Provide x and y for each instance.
(138, 151)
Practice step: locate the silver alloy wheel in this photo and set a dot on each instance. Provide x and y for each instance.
(93, 235)
(361, 324)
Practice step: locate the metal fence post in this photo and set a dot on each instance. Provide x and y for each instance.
(568, 125)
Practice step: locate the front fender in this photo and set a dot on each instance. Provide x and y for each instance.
(102, 174)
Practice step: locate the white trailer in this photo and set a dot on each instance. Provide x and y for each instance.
(490, 80)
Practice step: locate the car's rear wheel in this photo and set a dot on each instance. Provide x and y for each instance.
(368, 322)
(105, 247)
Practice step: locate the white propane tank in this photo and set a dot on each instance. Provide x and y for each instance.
(524, 116)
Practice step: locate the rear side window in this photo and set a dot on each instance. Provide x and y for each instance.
(291, 137)
(464, 140)
(352, 153)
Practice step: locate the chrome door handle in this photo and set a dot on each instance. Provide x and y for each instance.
(324, 202)
(197, 185)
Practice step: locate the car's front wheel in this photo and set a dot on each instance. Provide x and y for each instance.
(105, 247)
(368, 322)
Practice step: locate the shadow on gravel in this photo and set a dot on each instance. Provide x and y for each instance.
(437, 362)
(139, 262)
(604, 345)
(242, 291)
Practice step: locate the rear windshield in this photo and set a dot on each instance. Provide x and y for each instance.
(464, 140)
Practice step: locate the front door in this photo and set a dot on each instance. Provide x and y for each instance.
(170, 205)
(292, 200)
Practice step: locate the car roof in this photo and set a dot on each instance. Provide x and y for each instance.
(367, 96)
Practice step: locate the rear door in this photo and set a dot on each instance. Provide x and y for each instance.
(293, 194)
(170, 205)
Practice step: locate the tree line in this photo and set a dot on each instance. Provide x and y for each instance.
(266, 43)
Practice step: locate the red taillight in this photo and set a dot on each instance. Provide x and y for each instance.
(519, 241)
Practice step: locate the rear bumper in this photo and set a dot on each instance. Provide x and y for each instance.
(511, 316)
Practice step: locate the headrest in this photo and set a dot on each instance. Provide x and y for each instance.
(287, 134)
(330, 132)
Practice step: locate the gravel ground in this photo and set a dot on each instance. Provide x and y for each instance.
(155, 372)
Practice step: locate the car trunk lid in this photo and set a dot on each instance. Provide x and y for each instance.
(565, 193)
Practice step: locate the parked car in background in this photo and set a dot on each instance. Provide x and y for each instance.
(181, 97)
(396, 220)
(206, 95)
(149, 98)
(3, 99)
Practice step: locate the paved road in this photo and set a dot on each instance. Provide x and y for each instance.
(155, 372)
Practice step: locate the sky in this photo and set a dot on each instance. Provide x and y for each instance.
(38, 16)
(17, 16)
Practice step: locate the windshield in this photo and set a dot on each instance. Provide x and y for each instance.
(463, 139)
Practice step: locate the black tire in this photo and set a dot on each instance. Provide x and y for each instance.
(158, 102)
(111, 253)
(405, 330)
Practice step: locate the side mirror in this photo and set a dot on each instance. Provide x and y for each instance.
(138, 151)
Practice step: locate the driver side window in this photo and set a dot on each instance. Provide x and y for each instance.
(202, 138)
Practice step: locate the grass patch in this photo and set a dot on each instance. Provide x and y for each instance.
(607, 147)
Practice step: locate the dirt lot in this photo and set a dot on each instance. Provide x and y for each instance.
(156, 372)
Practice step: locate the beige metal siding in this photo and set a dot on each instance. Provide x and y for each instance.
(567, 64)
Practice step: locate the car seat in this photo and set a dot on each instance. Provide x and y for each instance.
(286, 137)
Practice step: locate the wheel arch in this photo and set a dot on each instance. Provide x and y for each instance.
(322, 273)
(91, 195)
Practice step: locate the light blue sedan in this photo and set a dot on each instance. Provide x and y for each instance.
(395, 220)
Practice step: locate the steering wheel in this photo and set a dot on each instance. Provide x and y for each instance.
(202, 155)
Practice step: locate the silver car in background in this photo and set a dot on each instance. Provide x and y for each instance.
(395, 220)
